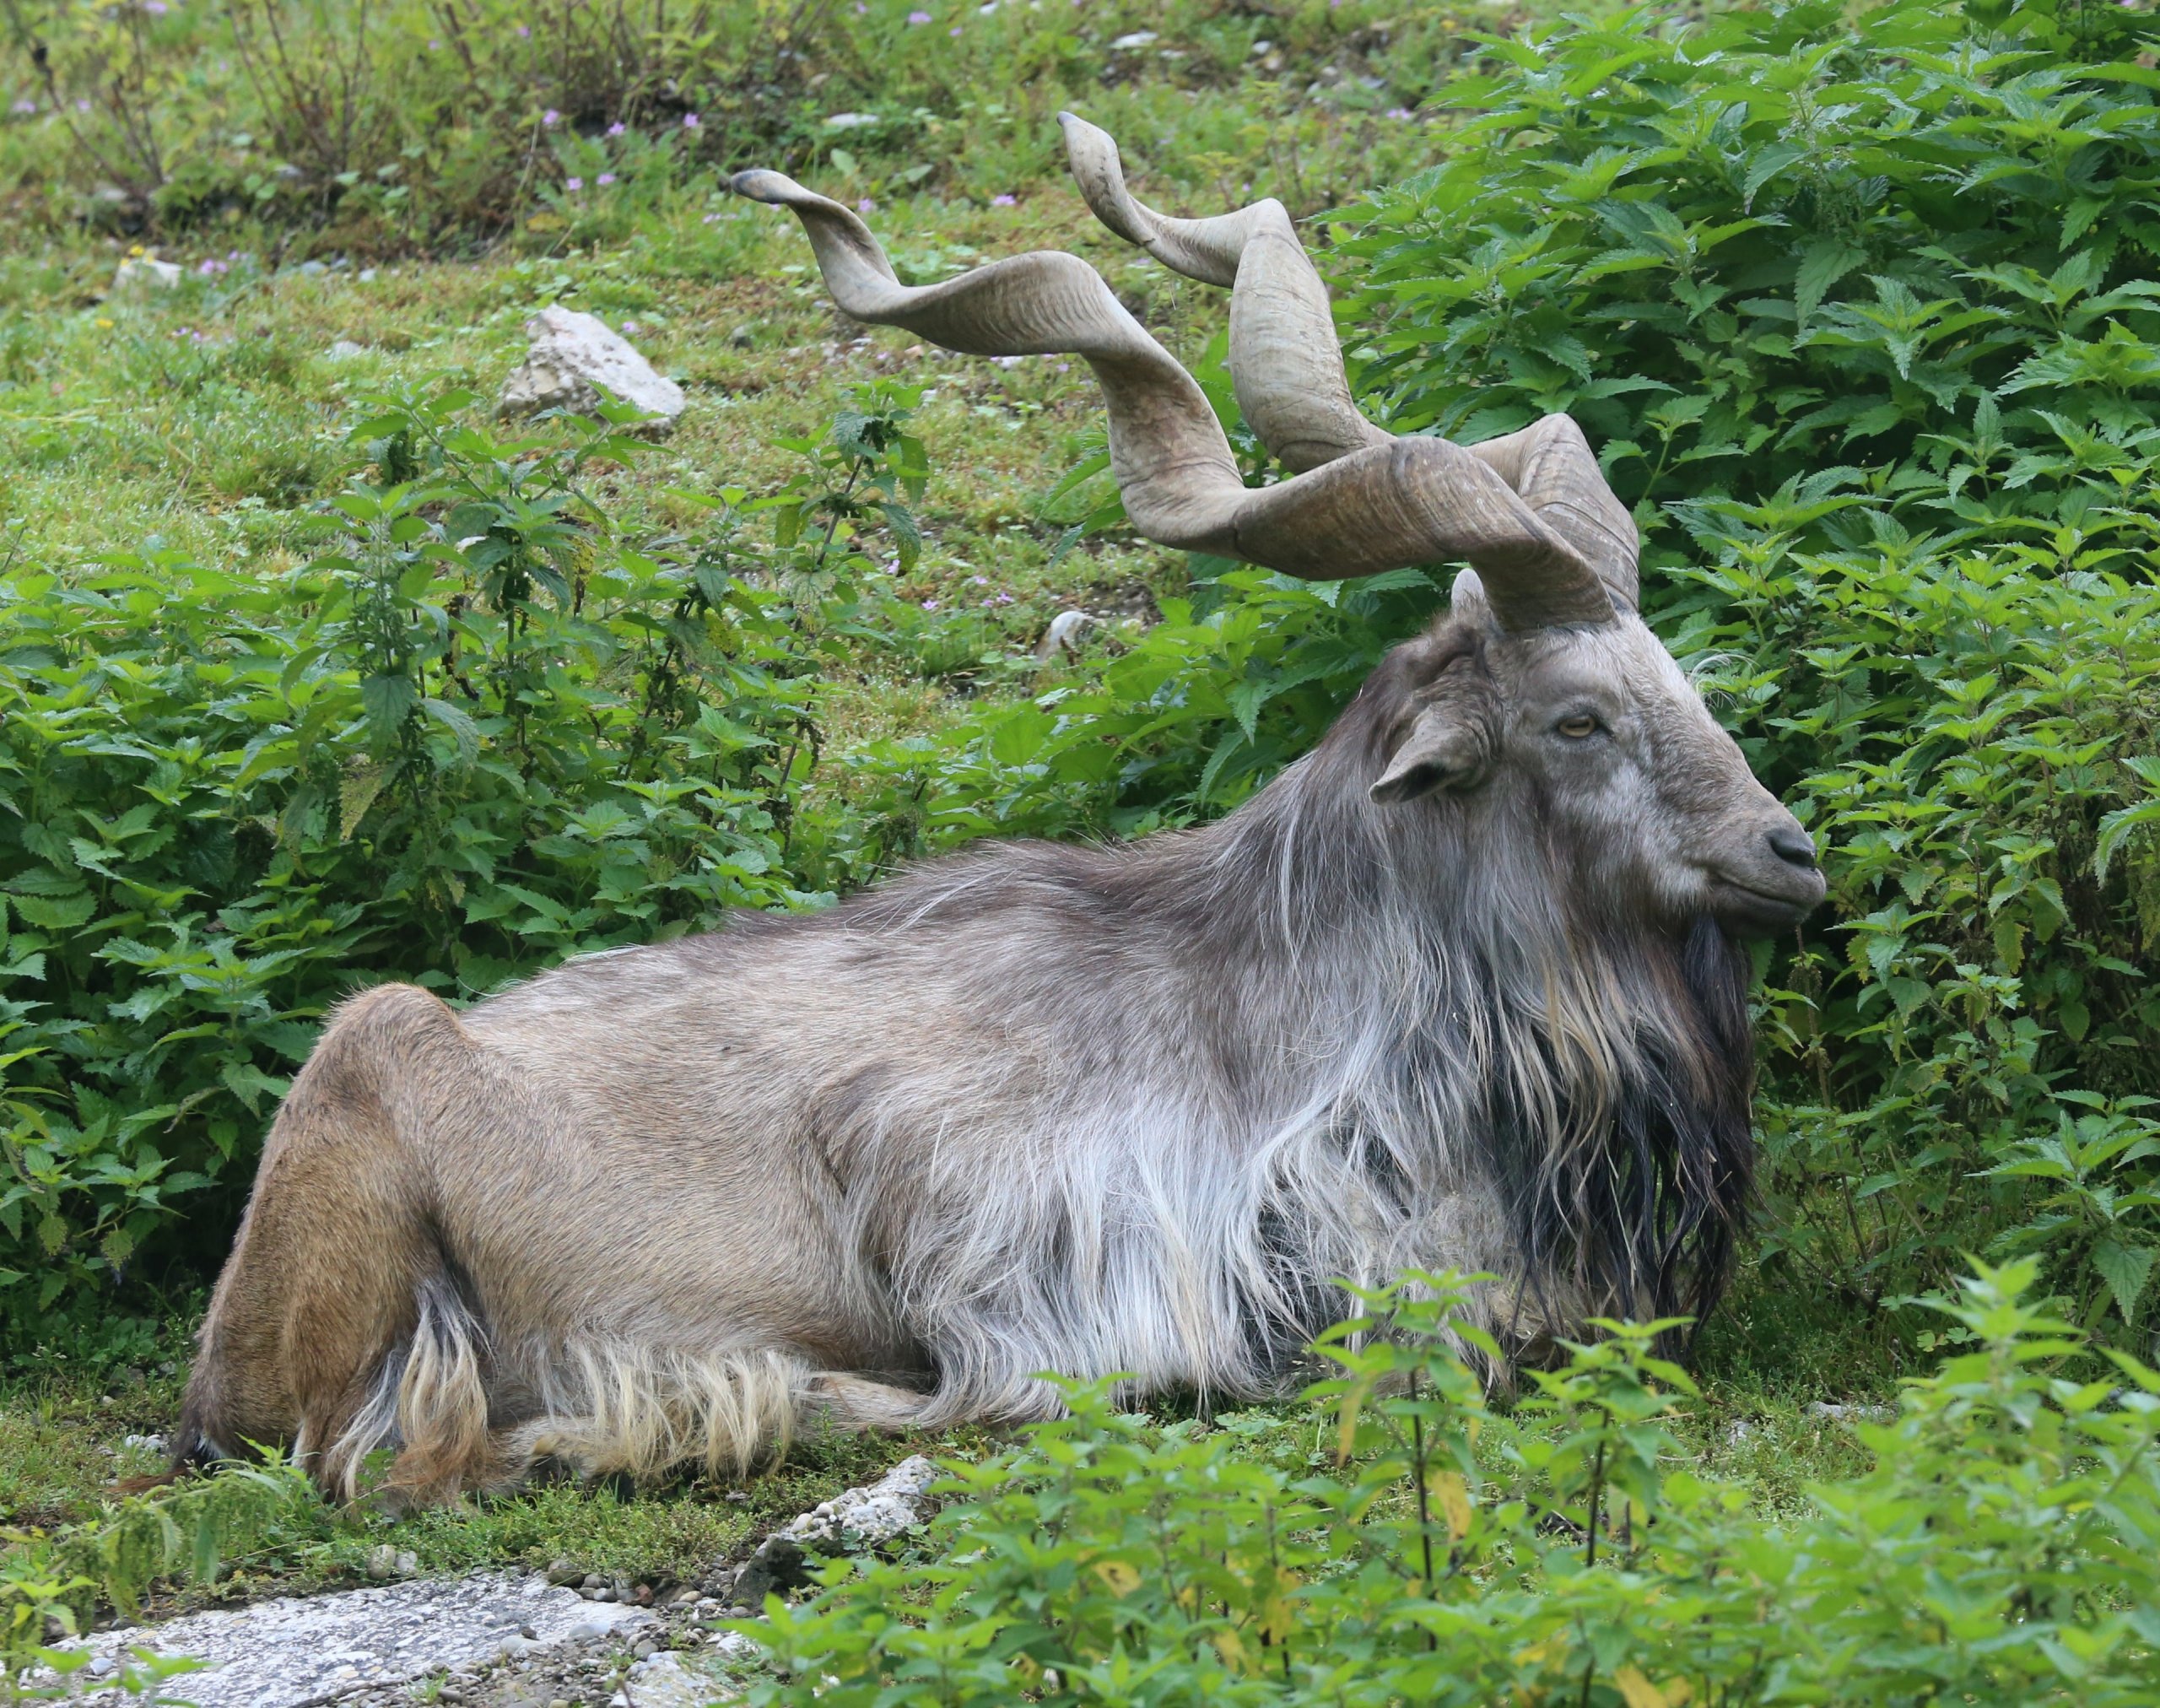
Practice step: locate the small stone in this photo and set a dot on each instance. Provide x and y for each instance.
(144, 273)
(101, 1666)
(593, 1580)
(382, 1561)
(738, 1612)
(528, 1633)
(606, 1592)
(564, 1571)
(1845, 1414)
(345, 349)
(572, 357)
(738, 1497)
(646, 1649)
(148, 1444)
(1064, 635)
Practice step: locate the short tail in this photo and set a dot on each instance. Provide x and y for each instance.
(429, 1402)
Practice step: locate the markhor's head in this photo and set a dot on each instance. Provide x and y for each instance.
(1542, 697)
(1593, 740)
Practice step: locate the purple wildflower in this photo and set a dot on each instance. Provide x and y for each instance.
(551, 118)
(954, 30)
(24, 108)
(155, 8)
(435, 45)
(605, 179)
(866, 206)
(929, 604)
(617, 128)
(918, 17)
(1004, 201)
(573, 183)
(691, 122)
(1398, 112)
(525, 30)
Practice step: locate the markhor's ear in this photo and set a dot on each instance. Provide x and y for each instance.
(1443, 750)
(1448, 735)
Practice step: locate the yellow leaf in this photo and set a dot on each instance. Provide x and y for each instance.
(356, 792)
(1638, 1690)
(1449, 1488)
(544, 222)
(103, 324)
(1121, 1578)
(1232, 1648)
(1345, 1439)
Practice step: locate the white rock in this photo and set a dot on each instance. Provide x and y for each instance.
(868, 1516)
(283, 1654)
(345, 349)
(1139, 38)
(1845, 1414)
(145, 273)
(849, 121)
(668, 1681)
(148, 1444)
(1064, 634)
(574, 354)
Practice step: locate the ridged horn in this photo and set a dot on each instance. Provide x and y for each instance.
(1394, 503)
(1286, 364)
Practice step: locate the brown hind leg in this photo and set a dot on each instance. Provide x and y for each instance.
(311, 1332)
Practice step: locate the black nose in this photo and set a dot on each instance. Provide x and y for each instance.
(1794, 845)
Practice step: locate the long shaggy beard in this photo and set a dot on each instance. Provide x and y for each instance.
(1634, 1208)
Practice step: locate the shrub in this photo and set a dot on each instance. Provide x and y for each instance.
(1403, 1542)
(478, 730)
(1859, 318)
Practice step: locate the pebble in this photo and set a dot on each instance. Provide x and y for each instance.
(1851, 1413)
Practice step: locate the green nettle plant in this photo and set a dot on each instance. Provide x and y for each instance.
(1404, 1542)
(478, 731)
(1860, 314)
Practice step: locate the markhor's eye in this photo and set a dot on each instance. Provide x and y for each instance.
(1578, 727)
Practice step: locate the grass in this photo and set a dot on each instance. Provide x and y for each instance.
(65, 1424)
(210, 419)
